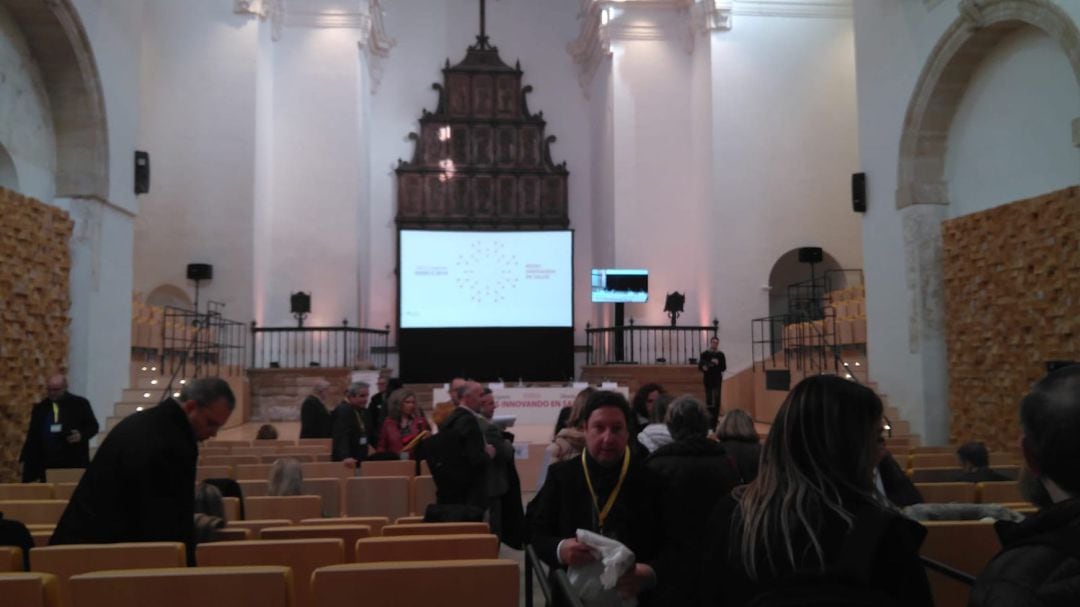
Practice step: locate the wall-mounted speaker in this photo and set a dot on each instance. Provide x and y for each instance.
(142, 172)
(300, 303)
(200, 271)
(811, 255)
(858, 192)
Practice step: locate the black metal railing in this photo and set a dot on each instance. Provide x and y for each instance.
(803, 341)
(562, 591)
(342, 346)
(200, 344)
(808, 297)
(649, 345)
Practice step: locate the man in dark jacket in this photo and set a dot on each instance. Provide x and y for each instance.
(458, 455)
(61, 426)
(351, 426)
(1039, 563)
(314, 417)
(141, 485)
(975, 464)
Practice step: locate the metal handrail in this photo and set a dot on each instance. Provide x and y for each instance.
(333, 346)
(648, 344)
(948, 571)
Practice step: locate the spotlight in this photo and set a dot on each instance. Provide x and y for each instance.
(153, 382)
(176, 395)
(146, 395)
(138, 408)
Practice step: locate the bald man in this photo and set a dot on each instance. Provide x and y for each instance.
(442, 410)
(61, 426)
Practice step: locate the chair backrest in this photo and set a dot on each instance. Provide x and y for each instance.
(64, 475)
(232, 508)
(304, 556)
(1000, 492)
(63, 491)
(214, 451)
(11, 559)
(232, 534)
(29, 589)
(270, 458)
(1005, 458)
(215, 443)
(377, 496)
(935, 449)
(375, 522)
(204, 472)
(329, 489)
(73, 559)
(326, 470)
(942, 493)
(427, 548)
(933, 460)
(409, 520)
(255, 526)
(250, 586)
(421, 493)
(348, 534)
(42, 535)
(393, 467)
(964, 545)
(324, 443)
(253, 488)
(33, 512)
(304, 450)
(436, 529)
(292, 507)
(27, 491)
(476, 583)
(228, 460)
(253, 472)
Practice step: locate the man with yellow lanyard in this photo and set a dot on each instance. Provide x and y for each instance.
(351, 428)
(607, 491)
(61, 426)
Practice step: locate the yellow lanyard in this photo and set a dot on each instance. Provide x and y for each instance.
(603, 514)
(56, 413)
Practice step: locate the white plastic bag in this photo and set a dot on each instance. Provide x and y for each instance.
(595, 583)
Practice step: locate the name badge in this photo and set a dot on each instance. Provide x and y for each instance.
(363, 440)
(56, 428)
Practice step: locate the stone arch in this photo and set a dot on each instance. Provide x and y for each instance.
(982, 24)
(169, 295)
(60, 47)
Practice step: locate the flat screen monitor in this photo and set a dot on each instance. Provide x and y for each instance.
(469, 279)
(620, 286)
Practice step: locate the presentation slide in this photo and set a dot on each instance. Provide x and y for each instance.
(486, 279)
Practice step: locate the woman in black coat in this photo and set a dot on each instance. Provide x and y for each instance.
(739, 438)
(696, 473)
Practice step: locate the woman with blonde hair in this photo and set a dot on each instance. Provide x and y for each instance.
(404, 426)
(739, 438)
(811, 526)
(568, 442)
(286, 477)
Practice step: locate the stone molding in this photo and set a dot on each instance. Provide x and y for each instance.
(711, 15)
(266, 10)
(793, 8)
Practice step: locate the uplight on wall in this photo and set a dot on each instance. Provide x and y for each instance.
(605, 16)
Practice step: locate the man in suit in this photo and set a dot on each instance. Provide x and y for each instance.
(442, 410)
(314, 417)
(141, 485)
(458, 455)
(712, 365)
(607, 491)
(352, 427)
(502, 457)
(61, 426)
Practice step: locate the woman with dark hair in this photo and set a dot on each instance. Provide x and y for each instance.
(811, 525)
(695, 473)
(739, 438)
(404, 425)
(643, 402)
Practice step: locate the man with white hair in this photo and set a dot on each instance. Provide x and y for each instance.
(314, 416)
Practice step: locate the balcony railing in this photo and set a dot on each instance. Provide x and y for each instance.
(295, 347)
(648, 345)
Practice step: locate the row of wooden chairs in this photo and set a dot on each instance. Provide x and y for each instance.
(997, 492)
(917, 460)
(258, 472)
(303, 558)
(36, 491)
(221, 446)
(946, 474)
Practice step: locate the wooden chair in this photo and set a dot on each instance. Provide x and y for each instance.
(375, 522)
(427, 548)
(232, 508)
(228, 444)
(304, 556)
(69, 560)
(327, 470)
(64, 475)
(204, 472)
(254, 472)
(27, 491)
(933, 460)
(228, 460)
(251, 586)
(329, 489)
(964, 545)
(33, 512)
(11, 559)
(409, 520)
(256, 526)
(1004, 458)
(377, 496)
(476, 583)
(232, 534)
(421, 494)
(292, 507)
(42, 536)
(323, 443)
(213, 451)
(999, 492)
(24, 589)
(273, 457)
(396, 467)
(935, 449)
(64, 491)
(436, 529)
(348, 534)
(943, 493)
(253, 488)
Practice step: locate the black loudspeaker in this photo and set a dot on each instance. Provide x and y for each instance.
(810, 255)
(200, 271)
(779, 379)
(142, 172)
(300, 303)
(858, 192)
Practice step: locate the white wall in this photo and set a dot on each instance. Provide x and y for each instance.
(893, 42)
(26, 126)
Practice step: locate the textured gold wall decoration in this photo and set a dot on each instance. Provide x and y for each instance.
(35, 262)
(1012, 300)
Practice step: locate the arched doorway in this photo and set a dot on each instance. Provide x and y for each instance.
(788, 271)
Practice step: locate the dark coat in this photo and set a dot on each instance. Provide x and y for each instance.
(458, 461)
(351, 430)
(140, 486)
(314, 418)
(47, 449)
(694, 476)
(1039, 564)
(747, 456)
(378, 409)
(898, 487)
(896, 570)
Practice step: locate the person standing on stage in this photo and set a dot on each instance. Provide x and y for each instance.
(713, 364)
(61, 426)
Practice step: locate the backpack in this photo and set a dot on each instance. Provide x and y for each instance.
(845, 584)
